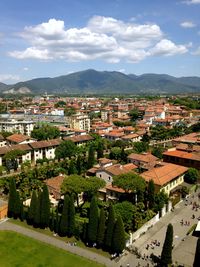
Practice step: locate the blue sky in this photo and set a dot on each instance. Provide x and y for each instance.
(51, 38)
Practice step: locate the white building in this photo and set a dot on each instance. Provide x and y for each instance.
(23, 127)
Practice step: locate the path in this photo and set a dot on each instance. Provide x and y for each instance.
(6, 225)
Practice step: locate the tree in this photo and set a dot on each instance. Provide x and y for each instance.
(110, 228)
(161, 199)
(115, 153)
(197, 255)
(100, 148)
(140, 147)
(72, 168)
(134, 114)
(45, 132)
(12, 198)
(166, 255)
(158, 151)
(118, 240)
(151, 194)
(64, 221)
(92, 185)
(79, 165)
(11, 158)
(71, 217)
(101, 228)
(45, 207)
(73, 184)
(33, 208)
(36, 221)
(125, 210)
(129, 182)
(91, 158)
(192, 175)
(17, 206)
(123, 155)
(93, 221)
(66, 149)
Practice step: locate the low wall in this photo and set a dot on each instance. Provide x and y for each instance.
(142, 230)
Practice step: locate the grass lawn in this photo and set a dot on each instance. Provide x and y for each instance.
(21, 251)
(66, 239)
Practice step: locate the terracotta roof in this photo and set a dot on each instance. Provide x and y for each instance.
(55, 182)
(115, 189)
(118, 169)
(183, 154)
(104, 160)
(145, 157)
(23, 147)
(130, 136)
(164, 174)
(79, 138)
(18, 138)
(45, 143)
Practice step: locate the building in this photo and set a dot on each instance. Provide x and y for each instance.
(54, 186)
(23, 127)
(107, 173)
(80, 122)
(166, 177)
(144, 161)
(183, 158)
(19, 139)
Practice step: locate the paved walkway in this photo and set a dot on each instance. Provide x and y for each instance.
(157, 233)
(6, 225)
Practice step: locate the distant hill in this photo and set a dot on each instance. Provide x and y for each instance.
(106, 82)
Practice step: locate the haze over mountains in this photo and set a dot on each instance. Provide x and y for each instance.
(105, 82)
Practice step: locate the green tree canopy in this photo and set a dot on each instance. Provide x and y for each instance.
(125, 210)
(66, 149)
(93, 221)
(101, 228)
(45, 132)
(130, 182)
(192, 175)
(118, 240)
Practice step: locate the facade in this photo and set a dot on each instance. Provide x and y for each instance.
(80, 122)
(23, 127)
(144, 160)
(166, 177)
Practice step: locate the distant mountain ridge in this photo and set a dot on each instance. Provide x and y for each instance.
(105, 82)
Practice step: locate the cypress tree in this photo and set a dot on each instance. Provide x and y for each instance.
(17, 206)
(123, 155)
(100, 150)
(51, 221)
(64, 221)
(57, 222)
(33, 208)
(101, 228)
(91, 158)
(93, 221)
(166, 255)
(118, 241)
(12, 198)
(22, 213)
(151, 194)
(71, 217)
(79, 165)
(45, 208)
(72, 168)
(36, 220)
(110, 228)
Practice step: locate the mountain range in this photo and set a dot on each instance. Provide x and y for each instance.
(105, 82)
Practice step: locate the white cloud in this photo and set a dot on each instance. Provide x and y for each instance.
(187, 24)
(197, 52)
(102, 38)
(25, 68)
(9, 78)
(167, 48)
(191, 2)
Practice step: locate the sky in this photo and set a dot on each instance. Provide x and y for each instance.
(57, 37)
